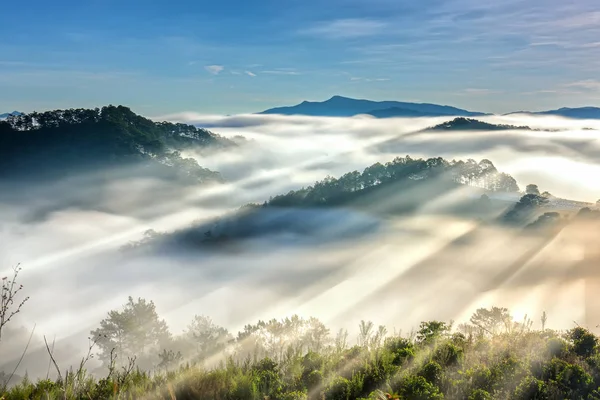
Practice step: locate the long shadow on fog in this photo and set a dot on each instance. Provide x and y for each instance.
(474, 263)
(279, 227)
(349, 216)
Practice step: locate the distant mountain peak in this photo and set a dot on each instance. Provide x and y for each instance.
(6, 115)
(338, 97)
(340, 106)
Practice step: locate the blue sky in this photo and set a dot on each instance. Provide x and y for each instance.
(238, 56)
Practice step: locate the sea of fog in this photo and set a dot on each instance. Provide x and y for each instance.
(405, 271)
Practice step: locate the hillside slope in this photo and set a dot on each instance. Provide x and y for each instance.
(60, 143)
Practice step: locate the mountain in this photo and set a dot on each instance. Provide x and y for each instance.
(469, 124)
(55, 144)
(397, 112)
(339, 106)
(577, 113)
(6, 115)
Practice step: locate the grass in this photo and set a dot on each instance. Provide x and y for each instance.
(436, 364)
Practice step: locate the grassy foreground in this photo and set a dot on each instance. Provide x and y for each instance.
(434, 363)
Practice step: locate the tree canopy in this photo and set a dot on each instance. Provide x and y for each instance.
(333, 191)
(136, 331)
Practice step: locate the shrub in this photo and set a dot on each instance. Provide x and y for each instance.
(432, 372)
(417, 388)
(480, 394)
(584, 342)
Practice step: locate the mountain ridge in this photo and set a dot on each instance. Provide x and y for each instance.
(340, 106)
(586, 112)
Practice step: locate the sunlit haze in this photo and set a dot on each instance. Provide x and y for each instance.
(300, 200)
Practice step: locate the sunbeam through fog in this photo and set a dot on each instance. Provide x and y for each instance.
(75, 270)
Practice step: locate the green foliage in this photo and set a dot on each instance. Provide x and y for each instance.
(448, 354)
(556, 347)
(294, 396)
(312, 380)
(491, 321)
(418, 388)
(135, 332)
(401, 349)
(574, 380)
(480, 394)
(278, 360)
(529, 388)
(339, 389)
(584, 342)
(432, 372)
(431, 331)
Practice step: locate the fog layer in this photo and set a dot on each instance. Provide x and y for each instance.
(395, 271)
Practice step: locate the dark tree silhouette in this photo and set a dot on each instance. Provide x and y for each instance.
(532, 189)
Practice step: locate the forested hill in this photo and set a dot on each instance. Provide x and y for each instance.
(352, 204)
(462, 124)
(404, 170)
(54, 143)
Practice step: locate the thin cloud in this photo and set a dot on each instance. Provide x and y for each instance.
(579, 20)
(587, 84)
(346, 28)
(280, 72)
(357, 79)
(214, 69)
(478, 92)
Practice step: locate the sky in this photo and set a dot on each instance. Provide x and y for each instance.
(235, 56)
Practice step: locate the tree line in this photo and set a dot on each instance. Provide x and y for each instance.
(332, 190)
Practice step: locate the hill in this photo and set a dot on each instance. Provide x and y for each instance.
(339, 106)
(576, 113)
(58, 143)
(464, 124)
